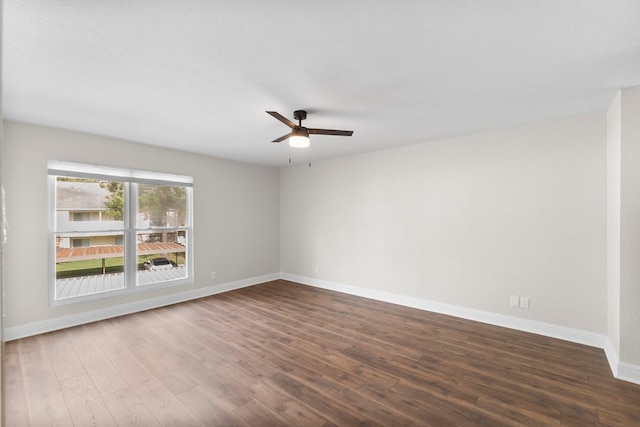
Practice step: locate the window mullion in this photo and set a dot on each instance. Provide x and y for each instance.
(130, 209)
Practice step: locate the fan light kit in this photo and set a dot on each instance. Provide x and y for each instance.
(299, 139)
(299, 135)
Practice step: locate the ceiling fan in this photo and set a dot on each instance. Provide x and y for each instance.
(299, 135)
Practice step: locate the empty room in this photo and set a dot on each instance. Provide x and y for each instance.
(240, 213)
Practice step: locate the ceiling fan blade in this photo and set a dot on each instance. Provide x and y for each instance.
(283, 137)
(331, 132)
(282, 118)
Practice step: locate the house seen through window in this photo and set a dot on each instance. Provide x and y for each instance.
(117, 230)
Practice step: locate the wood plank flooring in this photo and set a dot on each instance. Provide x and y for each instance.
(283, 354)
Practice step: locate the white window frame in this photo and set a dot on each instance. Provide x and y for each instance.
(130, 177)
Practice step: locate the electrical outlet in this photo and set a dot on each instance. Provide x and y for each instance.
(213, 275)
(316, 268)
(524, 302)
(514, 301)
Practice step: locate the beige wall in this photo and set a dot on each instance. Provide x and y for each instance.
(630, 227)
(236, 215)
(623, 229)
(465, 221)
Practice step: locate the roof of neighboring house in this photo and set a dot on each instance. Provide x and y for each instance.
(81, 196)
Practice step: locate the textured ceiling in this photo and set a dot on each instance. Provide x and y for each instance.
(199, 75)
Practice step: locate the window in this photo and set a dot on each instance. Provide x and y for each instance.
(81, 243)
(81, 216)
(117, 231)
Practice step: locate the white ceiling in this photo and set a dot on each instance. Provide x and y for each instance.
(199, 75)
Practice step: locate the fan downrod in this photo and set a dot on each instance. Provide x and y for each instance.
(300, 115)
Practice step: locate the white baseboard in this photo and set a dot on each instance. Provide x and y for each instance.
(35, 328)
(620, 370)
(612, 357)
(628, 372)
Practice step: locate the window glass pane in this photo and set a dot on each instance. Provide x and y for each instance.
(161, 206)
(88, 204)
(83, 268)
(161, 256)
(81, 216)
(81, 243)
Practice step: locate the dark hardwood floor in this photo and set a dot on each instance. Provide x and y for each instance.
(291, 355)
